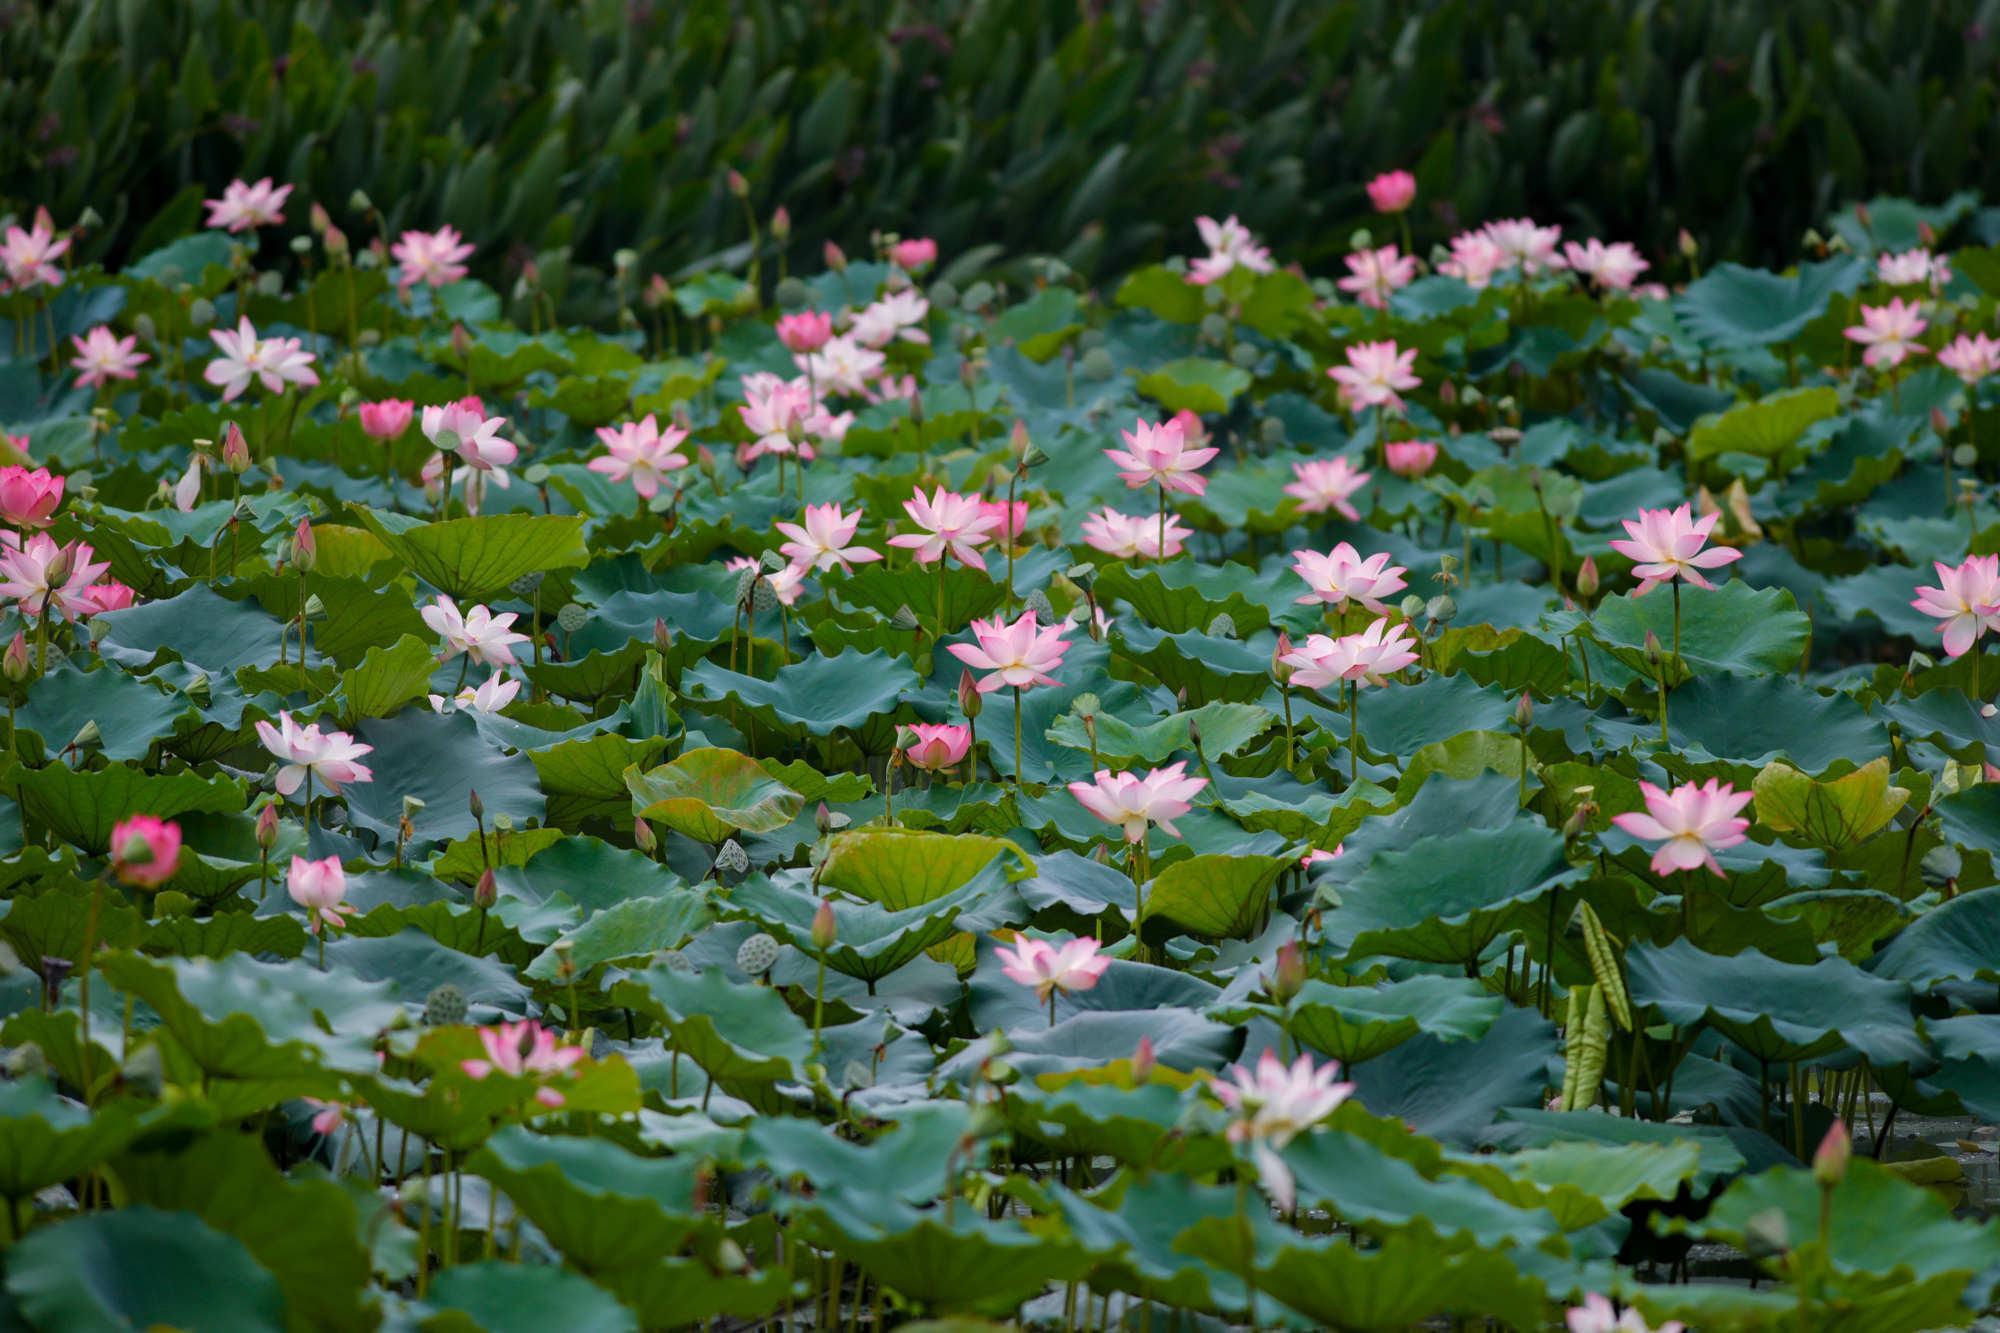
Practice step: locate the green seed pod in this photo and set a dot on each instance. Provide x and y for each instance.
(1214, 327)
(793, 294)
(444, 1007)
(1244, 357)
(572, 617)
(1098, 365)
(756, 954)
(1603, 952)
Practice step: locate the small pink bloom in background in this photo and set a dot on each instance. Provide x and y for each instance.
(243, 207)
(1133, 535)
(1230, 245)
(787, 583)
(1009, 520)
(387, 418)
(1392, 191)
(28, 257)
(1373, 274)
(1133, 802)
(1691, 823)
(1971, 357)
(108, 596)
(103, 356)
(1596, 1315)
(145, 851)
(1613, 268)
(936, 747)
(40, 574)
(524, 1050)
(1889, 332)
(1475, 258)
(1410, 458)
(15, 441)
(1373, 374)
(1366, 658)
(1320, 856)
(951, 523)
(327, 1116)
(1160, 454)
(1966, 600)
(495, 694)
(457, 428)
(1275, 1105)
(776, 411)
(328, 756)
(1021, 654)
(1527, 247)
(1047, 968)
(1666, 544)
(29, 499)
(914, 254)
(1341, 575)
(433, 258)
(824, 540)
(1326, 483)
(482, 636)
(273, 362)
(641, 453)
(805, 330)
(1914, 268)
(898, 316)
(318, 886)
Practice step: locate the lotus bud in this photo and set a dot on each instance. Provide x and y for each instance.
(663, 636)
(17, 665)
(486, 892)
(1281, 670)
(969, 699)
(1289, 974)
(336, 243)
(1689, 248)
(738, 186)
(823, 816)
(1019, 445)
(1524, 710)
(1579, 819)
(643, 836)
(1587, 580)
(1447, 393)
(825, 930)
(235, 449)
(474, 804)
(835, 257)
(1939, 421)
(305, 551)
(1143, 1062)
(658, 292)
(267, 828)
(1654, 653)
(1829, 1164)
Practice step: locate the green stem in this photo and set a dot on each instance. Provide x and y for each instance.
(819, 1002)
(1017, 740)
(83, 985)
(1353, 732)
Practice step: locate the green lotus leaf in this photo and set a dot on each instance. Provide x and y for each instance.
(475, 558)
(710, 793)
(83, 805)
(139, 1267)
(906, 868)
(501, 1297)
(1354, 1023)
(440, 759)
(1731, 306)
(817, 696)
(1195, 384)
(1763, 429)
(636, 928)
(1733, 628)
(872, 941)
(1220, 897)
(601, 1205)
(1834, 814)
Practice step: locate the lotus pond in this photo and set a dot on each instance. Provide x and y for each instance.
(924, 793)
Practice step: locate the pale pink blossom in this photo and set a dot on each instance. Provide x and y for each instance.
(1410, 458)
(1613, 268)
(1691, 823)
(1020, 655)
(303, 751)
(103, 356)
(1160, 455)
(470, 481)
(524, 1050)
(1321, 484)
(1230, 246)
(457, 428)
(1966, 601)
(387, 418)
(1889, 332)
(898, 316)
(825, 540)
(1374, 372)
(482, 636)
(787, 583)
(775, 411)
(1475, 258)
(29, 498)
(1047, 968)
(952, 524)
(1914, 268)
(1596, 1315)
(1127, 536)
(41, 575)
(1133, 802)
(1971, 356)
(436, 259)
(1341, 575)
(641, 453)
(1527, 247)
(272, 362)
(318, 886)
(842, 366)
(145, 851)
(243, 207)
(1365, 658)
(29, 256)
(1392, 191)
(1666, 544)
(804, 330)
(1373, 274)
(1275, 1105)
(936, 747)
(490, 697)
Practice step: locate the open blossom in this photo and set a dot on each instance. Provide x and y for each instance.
(914, 253)
(245, 206)
(804, 330)
(641, 453)
(273, 362)
(1275, 1105)
(1691, 823)
(899, 315)
(472, 435)
(1529, 248)
(111, 595)
(29, 498)
(28, 256)
(1010, 520)
(842, 365)
(1373, 274)
(776, 411)
(1049, 968)
(103, 356)
(1127, 536)
(1230, 245)
(1021, 654)
(1133, 802)
(1966, 601)
(1373, 374)
(1365, 658)
(1613, 268)
(1161, 454)
(1666, 544)
(936, 747)
(1392, 191)
(435, 258)
(1341, 575)
(524, 1050)
(1914, 268)
(145, 851)
(41, 575)
(1410, 458)
(1889, 332)
(387, 418)
(300, 751)
(482, 636)
(825, 540)
(492, 696)
(1595, 1315)
(951, 523)
(318, 886)
(1326, 483)
(1971, 356)
(1475, 258)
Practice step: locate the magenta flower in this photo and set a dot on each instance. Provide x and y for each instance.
(433, 258)
(1971, 356)
(145, 851)
(1365, 658)
(1392, 191)
(303, 751)
(1160, 455)
(804, 330)
(935, 748)
(1966, 601)
(1613, 268)
(29, 499)
(1475, 258)
(1127, 536)
(110, 595)
(824, 540)
(272, 362)
(951, 523)
(915, 254)
(1596, 1315)
(103, 356)
(467, 431)
(1666, 544)
(1010, 520)
(1373, 374)
(524, 1050)
(482, 636)
(318, 886)
(243, 207)
(1410, 458)
(1889, 332)
(1230, 246)
(641, 453)
(1341, 575)
(40, 575)
(1527, 247)
(1275, 1105)
(1020, 655)
(1326, 483)
(29, 256)
(1133, 802)
(1047, 968)
(1691, 823)
(387, 418)
(1373, 274)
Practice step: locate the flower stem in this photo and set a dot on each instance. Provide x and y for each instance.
(83, 985)
(1017, 740)
(819, 1002)
(1161, 554)
(1353, 732)
(1677, 622)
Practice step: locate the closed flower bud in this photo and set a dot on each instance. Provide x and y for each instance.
(836, 258)
(737, 185)
(781, 222)
(305, 551)
(823, 816)
(1524, 710)
(1829, 1164)
(1143, 1062)
(1281, 670)
(235, 450)
(17, 664)
(1587, 580)
(1578, 822)
(663, 635)
(824, 928)
(643, 837)
(1652, 649)
(1289, 974)
(474, 804)
(969, 699)
(486, 892)
(267, 827)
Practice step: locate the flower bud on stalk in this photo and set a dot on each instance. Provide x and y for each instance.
(825, 930)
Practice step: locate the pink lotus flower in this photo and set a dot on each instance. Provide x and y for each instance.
(103, 356)
(776, 412)
(1275, 1105)
(1410, 458)
(145, 851)
(1475, 258)
(491, 697)
(1230, 246)
(1392, 191)
(1133, 802)
(1020, 655)
(19, 442)
(29, 256)
(1967, 601)
(915, 254)
(1366, 658)
(936, 748)
(303, 751)
(641, 453)
(1326, 483)
(29, 499)
(1341, 576)
(786, 584)
(1613, 268)
(524, 1050)
(951, 523)
(458, 429)
(41, 575)
(842, 366)
(1009, 520)
(1373, 274)
(386, 418)
(273, 362)
(1047, 968)
(1691, 823)
(327, 1115)
(482, 636)
(107, 596)
(1129, 536)
(1527, 247)
(1666, 544)
(1971, 357)
(1373, 373)
(245, 206)
(319, 886)
(1914, 268)
(1889, 332)
(1160, 455)
(898, 316)
(1596, 1315)
(805, 330)
(435, 258)
(824, 541)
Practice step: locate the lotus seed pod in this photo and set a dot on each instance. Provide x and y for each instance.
(1037, 602)
(1360, 239)
(1441, 608)
(763, 597)
(676, 961)
(1098, 365)
(731, 857)
(1214, 327)
(792, 295)
(978, 295)
(1222, 627)
(444, 1007)
(1412, 606)
(1244, 356)
(572, 617)
(857, 1076)
(756, 954)
(1964, 455)
(537, 474)
(201, 312)
(28, 1061)
(1271, 432)
(944, 294)
(271, 283)
(142, 324)
(527, 585)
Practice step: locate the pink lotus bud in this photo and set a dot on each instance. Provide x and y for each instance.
(805, 331)
(825, 930)
(267, 828)
(1143, 1062)
(235, 450)
(1410, 458)
(969, 699)
(781, 222)
(1652, 649)
(16, 665)
(1290, 973)
(317, 218)
(1524, 710)
(836, 259)
(305, 551)
(386, 419)
(914, 254)
(643, 837)
(1281, 670)
(737, 185)
(461, 340)
(1939, 421)
(1587, 581)
(1829, 1164)
(1392, 191)
(487, 891)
